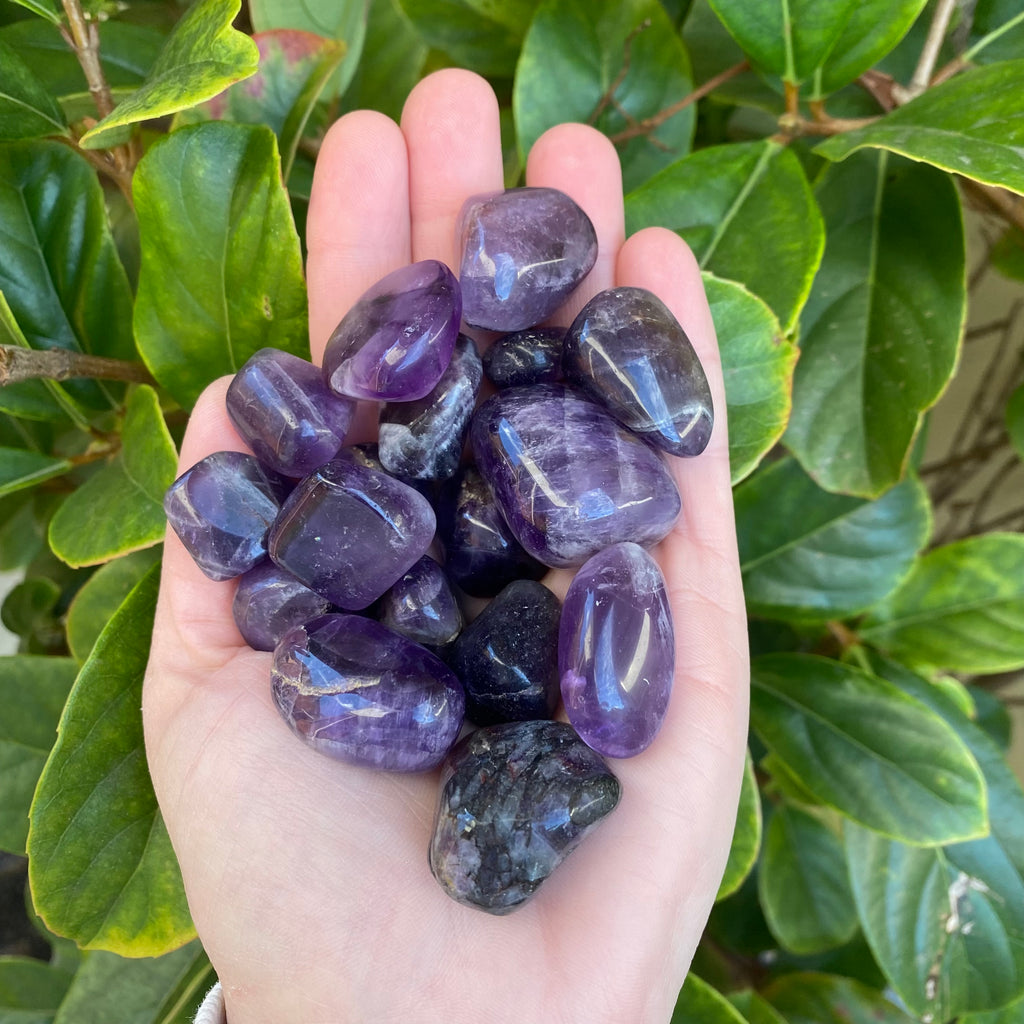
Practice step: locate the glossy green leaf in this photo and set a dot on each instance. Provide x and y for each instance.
(20, 469)
(699, 1003)
(997, 31)
(29, 606)
(32, 693)
(573, 54)
(23, 523)
(1015, 420)
(971, 125)
(961, 609)
(992, 715)
(202, 57)
(820, 555)
(27, 110)
(1011, 1014)
(747, 212)
(221, 272)
(754, 1009)
(806, 998)
(44, 8)
(881, 329)
(30, 990)
(120, 508)
(757, 364)
(100, 859)
(803, 885)
(864, 747)
(746, 839)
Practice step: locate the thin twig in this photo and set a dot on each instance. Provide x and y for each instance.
(930, 51)
(82, 37)
(947, 71)
(609, 93)
(17, 364)
(989, 491)
(980, 451)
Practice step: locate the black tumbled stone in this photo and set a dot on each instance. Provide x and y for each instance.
(533, 356)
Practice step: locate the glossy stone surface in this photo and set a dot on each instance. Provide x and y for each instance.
(568, 478)
(524, 250)
(367, 453)
(358, 692)
(349, 532)
(286, 414)
(627, 351)
(269, 602)
(533, 356)
(222, 508)
(480, 553)
(516, 800)
(421, 606)
(616, 651)
(396, 341)
(507, 657)
(423, 439)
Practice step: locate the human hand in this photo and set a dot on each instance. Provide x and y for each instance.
(308, 879)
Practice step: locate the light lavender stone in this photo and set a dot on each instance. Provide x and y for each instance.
(269, 602)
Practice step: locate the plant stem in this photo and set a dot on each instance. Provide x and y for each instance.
(608, 99)
(17, 364)
(85, 41)
(930, 51)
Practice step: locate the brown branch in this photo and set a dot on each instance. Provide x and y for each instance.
(627, 53)
(18, 364)
(106, 162)
(82, 37)
(947, 71)
(879, 86)
(979, 451)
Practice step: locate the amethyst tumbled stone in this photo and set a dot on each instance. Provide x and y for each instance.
(524, 250)
(285, 412)
(569, 479)
(349, 532)
(516, 800)
(221, 509)
(533, 356)
(421, 606)
(396, 341)
(616, 651)
(627, 351)
(356, 691)
(269, 602)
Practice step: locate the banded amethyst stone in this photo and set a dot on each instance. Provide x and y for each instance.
(569, 479)
(395, 342)
(616, 651)
(222, 508)
(628, 352)
(524, 250)
(421, 606)
(423, 439)
(286, 414)
(269, 602)
(516, 800)
(349, 532)
(533, 356)
(357, 692)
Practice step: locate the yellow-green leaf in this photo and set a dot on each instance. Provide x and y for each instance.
(746, 838)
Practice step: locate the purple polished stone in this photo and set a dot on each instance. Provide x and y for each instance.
(524, 250)
(367, 453)
(269, 602)
(423, 439)
(616, 651)
(516, 800)
(396, 341)
(569, 479)
(221, 509)
(358, 692)
(628, 352)
(421, 606)
(286, 414)
(526, 357)
(349, 532)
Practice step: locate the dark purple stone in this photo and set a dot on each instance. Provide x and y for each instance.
(286, 414)
(628, 352)
(516, 800)
(421, 606)
(532, 356)
(616, 651)
(524, 251)
(349, 532)
(221, 509)
(507, 657)
(269, 602)
(423, 439)
(357, 692)
(480, 553)
(569, 479)
(396, 341)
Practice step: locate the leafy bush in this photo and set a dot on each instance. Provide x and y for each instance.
(154, 175)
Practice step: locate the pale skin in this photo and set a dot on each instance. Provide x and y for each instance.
(307, 878)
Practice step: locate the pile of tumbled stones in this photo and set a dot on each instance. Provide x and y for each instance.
(330, 542)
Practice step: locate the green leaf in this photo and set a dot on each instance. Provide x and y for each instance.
(202, 57)
(805, 998)
(30, 606)
(746, 839)
(757, 364)
(862, 746)
(26, 108)
(747, 212)
(120, 508)
(32, 693)
(44, 8)
(23, 524)
(1010, 1014)
(101, 866)
(971, 125)
(997, 31)
(1015, 419)
(992, 715)
(221, 273)
(20, 469)
(699, 1003)
(810, 554)
(803, 885)
(1008, 254)
(961, 609)
(576, 51)
(30, 990)
(881, 330)
(755, 1009)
